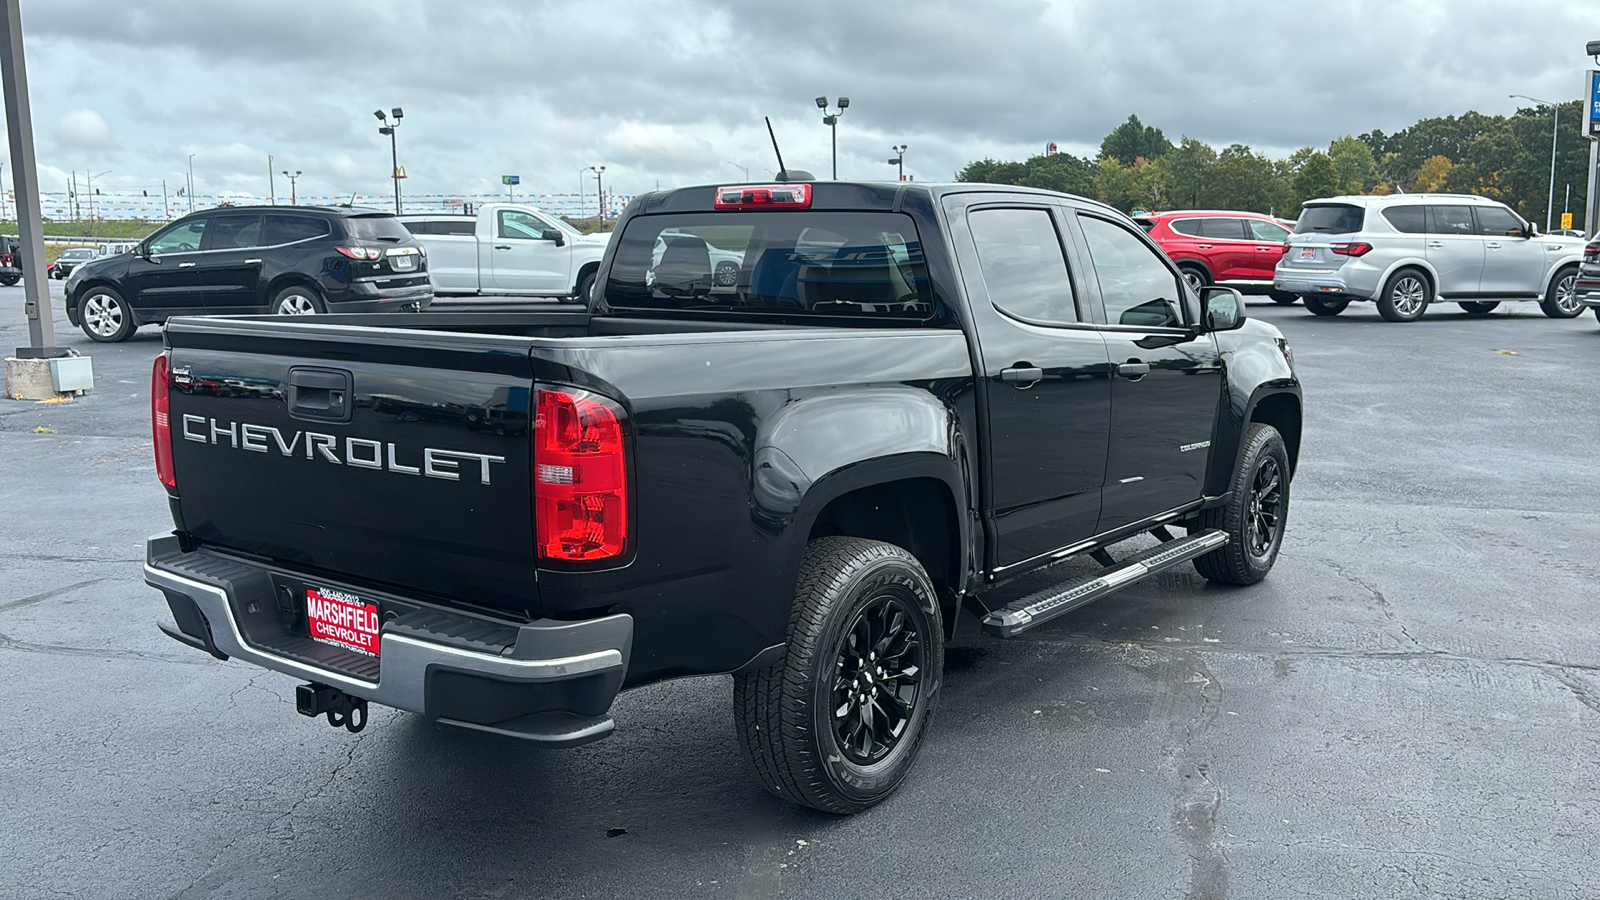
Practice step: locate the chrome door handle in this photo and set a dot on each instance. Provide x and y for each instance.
(502, 246)
(1269, 249)
(188, 265)
(1492, 245)
(1203, 246)
(1436, 244)
(1133, 370)
(252, 262)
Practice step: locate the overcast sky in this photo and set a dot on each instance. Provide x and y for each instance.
(672, 91)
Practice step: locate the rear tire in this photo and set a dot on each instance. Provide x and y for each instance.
(727, 274)
(104, 316)
(585, 288)
(1478, 307)
(1405, 297)
(9, 280)
(836, 723)
(296, 300)
(1561, 300)
(1255, 518)
(1283, 298)
(1322, 306)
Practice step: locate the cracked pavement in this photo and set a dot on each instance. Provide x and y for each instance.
(1409, 706)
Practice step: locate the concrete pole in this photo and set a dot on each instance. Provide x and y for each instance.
(25, 180)
(1591, 222)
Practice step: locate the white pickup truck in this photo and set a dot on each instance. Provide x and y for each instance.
(507, 248)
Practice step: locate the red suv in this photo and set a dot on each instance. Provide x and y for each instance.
(1235, 249)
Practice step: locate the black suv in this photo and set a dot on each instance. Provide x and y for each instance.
(242, 259)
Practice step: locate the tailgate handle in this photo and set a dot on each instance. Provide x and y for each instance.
(321, 395)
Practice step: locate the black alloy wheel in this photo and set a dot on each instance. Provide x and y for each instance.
(1256, 515)
(879, 674)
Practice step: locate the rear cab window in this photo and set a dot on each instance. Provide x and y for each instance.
(856, 265)
(1330, 218)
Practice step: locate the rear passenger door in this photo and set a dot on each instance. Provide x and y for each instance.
(230, 264)
(1455, 249)
(1227, 246)
(1167, 380)
(1044, 376)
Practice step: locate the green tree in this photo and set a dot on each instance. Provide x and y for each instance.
(1243, 179)
(1132, 140)
(1319, 177)
(1432, 175)
(1113, 185)
(1148, 185)
(1188, 169)
(1353, 163)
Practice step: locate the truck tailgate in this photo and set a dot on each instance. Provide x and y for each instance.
(394, 456)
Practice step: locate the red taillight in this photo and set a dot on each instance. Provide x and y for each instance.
(580, 476)
(1591, 252)
(763, 196)
(1286, 246)
(1355, 248)
(160, 423)
(360, 252)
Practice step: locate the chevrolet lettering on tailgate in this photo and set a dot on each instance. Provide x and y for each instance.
(359, 452)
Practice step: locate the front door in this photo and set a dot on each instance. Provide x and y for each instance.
(166, 279)
(520, 259)
(1455, 249)
(1166, 386)
(1045, 377)
(1513, 263)
(1269, 238)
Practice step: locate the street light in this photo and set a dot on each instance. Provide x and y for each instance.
(1550, 207)
(831, 119)
(899, 160)
(294, 199)
(388, 128)
(599, 189)
(191, 184)
(743, 169)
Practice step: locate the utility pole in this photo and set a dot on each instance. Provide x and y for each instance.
(600, 188)
(294, 197)
(166, 211)
(272, 186)
(25, 180)
(191, 184)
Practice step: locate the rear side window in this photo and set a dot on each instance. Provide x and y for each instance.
(1226, 229)
(1406, 219)
(855, 264)
(376, 228)
(1330, 218)
(286, 229)
(1190, 227)
(1450, 220)
(1023, 265)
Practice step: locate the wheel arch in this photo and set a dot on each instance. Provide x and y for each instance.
(586, 269)
(288, 279)
(1555, 272)
(1409, 263)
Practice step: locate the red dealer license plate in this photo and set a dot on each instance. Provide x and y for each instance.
(343, 620)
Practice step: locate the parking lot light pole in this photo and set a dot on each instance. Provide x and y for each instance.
(25, 181)
(1555, 123)
(599, 188)
(831, 119)
(191, 184)
(388, 128)
(899, 161)
(745, 170)
(294, 198)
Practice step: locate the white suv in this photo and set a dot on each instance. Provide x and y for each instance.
(1404, 251)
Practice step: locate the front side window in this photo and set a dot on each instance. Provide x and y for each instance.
(183, 237)
(1019, 253)
(1498, 221)
(1262, 230)
(519, 225)
(1136, 286)
(1407, 219)
(234, 231)
(855, 264)
(1451, 220)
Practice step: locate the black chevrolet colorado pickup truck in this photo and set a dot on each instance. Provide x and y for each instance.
(909, 395)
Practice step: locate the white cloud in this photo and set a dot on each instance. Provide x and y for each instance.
(83, 129)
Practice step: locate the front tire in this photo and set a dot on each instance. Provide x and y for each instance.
(727, 274)
(1197, 277)
(1405, 297)
(1255, 518)
(9, 280)
(1322, 306)
(296, 300)
(1478, 307)
(837, 722)
(1561, 300)
(104, 316)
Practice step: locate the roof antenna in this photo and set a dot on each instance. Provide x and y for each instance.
(783, 174)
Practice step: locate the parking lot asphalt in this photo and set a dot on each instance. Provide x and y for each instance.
(1409, 706)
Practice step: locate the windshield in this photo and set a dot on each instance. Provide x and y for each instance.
(1333, 218)
(377, 228)
(863, 265)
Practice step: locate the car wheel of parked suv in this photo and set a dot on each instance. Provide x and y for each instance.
(297, 301)
(1479, 307)
(1195, 275)
(1561, 301)
(1405, 297)
(1283, 297)
(1322, 306)
(837, 722)
(104, 316)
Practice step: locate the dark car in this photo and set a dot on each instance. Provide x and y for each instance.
(1587, 287)
(68, 260)
(1235, 249)
(10, 260)
(239, 260)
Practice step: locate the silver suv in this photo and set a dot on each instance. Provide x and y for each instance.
(1404, 251)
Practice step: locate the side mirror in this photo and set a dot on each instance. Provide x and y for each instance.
(1222, 308)
(551, 234)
